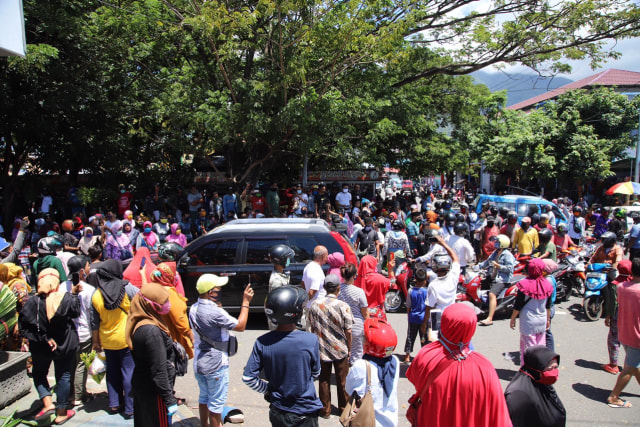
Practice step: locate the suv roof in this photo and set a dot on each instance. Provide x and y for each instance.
(256, 225)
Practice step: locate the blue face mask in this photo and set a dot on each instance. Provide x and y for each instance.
(119, 233)
(147, 230)
(288, 262)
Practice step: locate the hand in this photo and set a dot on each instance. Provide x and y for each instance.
(392, 264)
(24, 223)
(548, 324)
(97, 347)
(607, 321)
(495, 264)
(171, 410)
(76, 289)
(512, 324)
(247, 296)
(52, 344)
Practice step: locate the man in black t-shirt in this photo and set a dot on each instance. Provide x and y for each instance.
(366, 242)
(321, 199)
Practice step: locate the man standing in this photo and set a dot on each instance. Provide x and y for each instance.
(577, 226)
(525, 238)
(229, 203)
(331, 320)
(273, 201)
(343, 199)
(628, 334)
(320, 201)
(195, 200)
(313, 275)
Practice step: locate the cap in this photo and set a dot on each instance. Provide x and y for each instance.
(332, 281)
(526, 219)
(206, 282)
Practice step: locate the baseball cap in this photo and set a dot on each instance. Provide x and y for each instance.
(526, 219)
(331, 282)
(206, 282)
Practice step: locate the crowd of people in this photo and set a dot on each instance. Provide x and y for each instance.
(83, 300)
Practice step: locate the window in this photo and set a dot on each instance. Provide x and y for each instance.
(523, 209)
(217, 253)
(558, 214)
(303, 247)
(258, 250)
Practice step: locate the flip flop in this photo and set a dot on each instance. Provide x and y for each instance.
(70, 414)
(232, 415)
(624, 404)
(44, 414)
(485, 323)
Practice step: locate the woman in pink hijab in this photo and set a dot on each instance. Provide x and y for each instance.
(147, 239)
(336, 260)
(117, 246)
(176, 235)
(533, 304)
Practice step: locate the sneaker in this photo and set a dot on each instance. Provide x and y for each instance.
(612, 369)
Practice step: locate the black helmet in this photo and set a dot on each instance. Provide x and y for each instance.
(432, 235)
(608, 239)
(544, 236)
(561, 229)
(620, 213)
(284, 305)
(450, 219)
(48, 245)
(281, 255)
(169, 251)
(577, 210)
(396, 225)
(493, 209)
(512, 216)
(503, 211)
(535, 218)
(461, 229)
(460, 217)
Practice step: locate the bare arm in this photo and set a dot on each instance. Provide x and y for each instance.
(450, 252)
(244, 310)
(365, 312)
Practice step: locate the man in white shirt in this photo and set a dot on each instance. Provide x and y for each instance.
(343, 199)
(577, 225)
(47, 201)
(461, 246)
(441, 292)
(313, 275)
(300, 202)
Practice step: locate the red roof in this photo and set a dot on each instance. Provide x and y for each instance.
(610, 77)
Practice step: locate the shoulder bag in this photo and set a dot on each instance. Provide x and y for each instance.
(230, 347)
(360, 412)
(416, 400)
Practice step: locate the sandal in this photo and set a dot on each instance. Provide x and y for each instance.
(45, 414)
(70, 414)
(619, 403)
(485, 323)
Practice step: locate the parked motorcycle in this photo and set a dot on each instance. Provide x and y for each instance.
(594, 296)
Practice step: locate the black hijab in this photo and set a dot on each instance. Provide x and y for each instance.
(108, 278)
(531, 403)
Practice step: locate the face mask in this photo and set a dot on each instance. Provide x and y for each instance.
(89, 235)
(345, 190)
(287, 263)
(299, 191)
(164, 221)
(203, 214)
(130, 217)
(525, 227)
(178, 232)
(119, 233)
(161, 309)
(122, 191)
(147, 230)
(549, 377)
(496, 245)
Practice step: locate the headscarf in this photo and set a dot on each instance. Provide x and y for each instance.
(446, 377)
(535, 285)
(532, 403)
(374, 284)
(164, 274)
(48, 283)
(115, 240)
(336, 260)
(86, 242)
(11, 275)
(180, 239)
(110, 283)
(151, 239)
(386, 371)
(132, 273)
(142, 313)
(624, 271)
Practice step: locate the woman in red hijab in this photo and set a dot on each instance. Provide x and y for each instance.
(132, 272)
(456, 386)
(374, 285)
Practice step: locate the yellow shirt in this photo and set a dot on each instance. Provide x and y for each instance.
(112, 322)
(527, 241)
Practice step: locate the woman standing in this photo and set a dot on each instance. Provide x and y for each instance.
(357, 301)
(154, 373)
(111, 302)
(46, 320)
(374, 284)
(533, 304)
(531, 397)
(117, 245)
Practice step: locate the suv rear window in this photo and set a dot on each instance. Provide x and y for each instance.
(221, 252)
(258, 250)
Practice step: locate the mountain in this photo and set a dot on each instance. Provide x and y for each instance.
(519, 86)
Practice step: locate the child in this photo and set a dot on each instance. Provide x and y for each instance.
(415, 312)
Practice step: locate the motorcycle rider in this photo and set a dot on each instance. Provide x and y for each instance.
(602, 221)
(500, 264)
(609, 253)
(633, 245)
(461, 245)
(447, 227)
(543, 223)
(510, 227)
(618, 224)
(562, 239)
(577, 225)
(525, 239)
(548, 209)
(546, 248)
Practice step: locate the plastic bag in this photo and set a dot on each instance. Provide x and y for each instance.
(95, 365)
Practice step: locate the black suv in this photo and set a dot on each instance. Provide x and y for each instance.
(240, 251)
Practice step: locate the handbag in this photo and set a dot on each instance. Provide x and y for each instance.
(360, 414)
(416, 400)
(181, 358)
(126, 254)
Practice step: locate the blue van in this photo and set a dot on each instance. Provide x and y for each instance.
(519, 204)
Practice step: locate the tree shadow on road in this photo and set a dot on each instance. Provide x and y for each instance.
(588, 364)
(506, 374)
(595, 393)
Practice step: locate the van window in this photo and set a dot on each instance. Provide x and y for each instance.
(258, 250)
(303, 247)
(558, 214)
(509, 206)
(222, 252)
(523, 209)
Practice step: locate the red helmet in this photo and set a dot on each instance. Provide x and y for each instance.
(67, 225)
(380, 338)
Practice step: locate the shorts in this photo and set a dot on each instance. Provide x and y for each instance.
(632, 358)
(214, 389)
(496, 288)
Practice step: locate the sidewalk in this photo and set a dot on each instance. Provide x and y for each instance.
(93, 413)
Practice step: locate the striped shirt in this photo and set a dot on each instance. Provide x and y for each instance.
(330, 319)
(355, 297)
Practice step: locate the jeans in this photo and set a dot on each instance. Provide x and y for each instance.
(324, 383)
(79, 379)
(62, 368)
(119, 371)
(280, 418)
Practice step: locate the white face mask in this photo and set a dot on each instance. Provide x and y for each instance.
(345, 190)
(299, 191)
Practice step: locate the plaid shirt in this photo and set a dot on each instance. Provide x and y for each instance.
(330, 319)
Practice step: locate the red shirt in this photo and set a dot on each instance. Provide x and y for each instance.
(258, 203)
(629, 314)
(124, 202)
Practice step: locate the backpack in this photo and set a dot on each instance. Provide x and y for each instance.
(367, 242)
(576, 226)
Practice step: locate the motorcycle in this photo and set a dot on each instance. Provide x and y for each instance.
(572, 277)
(470, 289)
(394, 300)
(522, 262)
(594, 297)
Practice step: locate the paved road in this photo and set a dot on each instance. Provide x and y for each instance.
(583, 386)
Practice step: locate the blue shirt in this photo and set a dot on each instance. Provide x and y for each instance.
(206, 318)
(412, 231)
(290, 360)
(417, 297)
(635, 233)
(229, 204)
